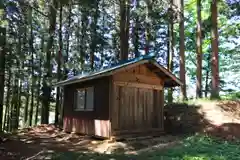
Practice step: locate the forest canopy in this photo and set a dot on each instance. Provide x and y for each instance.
(43, 42)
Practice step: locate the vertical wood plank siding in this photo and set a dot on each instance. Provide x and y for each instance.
(88, 122)
(137, 107)
(129, 100)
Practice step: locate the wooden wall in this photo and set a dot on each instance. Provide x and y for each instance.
(128, 100)
(137, 100)
(139, 74)
(88, 122)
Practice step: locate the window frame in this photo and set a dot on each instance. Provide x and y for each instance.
(85, 99)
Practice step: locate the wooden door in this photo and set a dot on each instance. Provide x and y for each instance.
(134, 108)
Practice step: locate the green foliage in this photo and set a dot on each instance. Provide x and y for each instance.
(3, 22)
(204, 147)
(229, 58)
(232, 96)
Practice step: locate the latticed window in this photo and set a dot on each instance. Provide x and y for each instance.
(84, 99)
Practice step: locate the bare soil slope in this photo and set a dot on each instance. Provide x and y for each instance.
(219, 118)
(224, 118)
(220, 112)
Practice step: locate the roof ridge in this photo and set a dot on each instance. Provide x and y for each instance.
(114, 68)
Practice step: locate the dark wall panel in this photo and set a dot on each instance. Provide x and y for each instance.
(87, 122)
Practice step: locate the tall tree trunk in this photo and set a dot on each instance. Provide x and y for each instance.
(2, 70)
(199, 51)
(7, 105)
(170, 51)
(102, 33)
(82, 40)
(207, 76)
(124, 28)
(59, 64)
(39, 81)
(116, 38)
(214, 60)
(32, 105)
(14, 114)
(9, 118)
(19, 101)
(25, 50)
(136, 33)
(38, 89)
(9, 83)
(68, 40)
(61, 111)
(148, 26)
(32, 63)
(47, 78)
(26, 105)
(127, 25)
(182, 52)
(2, 62)
(93, 45)
(14, 101)
(11, 114)
(18, 80)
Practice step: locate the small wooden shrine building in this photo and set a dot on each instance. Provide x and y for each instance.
(124, 98)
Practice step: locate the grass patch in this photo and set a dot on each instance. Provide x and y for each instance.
(197, 147)
(231, 96)
(200, 147)
(194, 101)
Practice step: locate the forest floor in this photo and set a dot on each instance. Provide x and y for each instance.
(49, 142)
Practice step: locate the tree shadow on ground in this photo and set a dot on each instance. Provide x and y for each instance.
(193, 147)
(182, 118)
(189, 119)
(45, 139)
(49, 142)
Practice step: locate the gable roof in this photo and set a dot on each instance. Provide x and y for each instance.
(170, 79)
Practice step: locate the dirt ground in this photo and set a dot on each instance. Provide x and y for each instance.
(43, 141)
